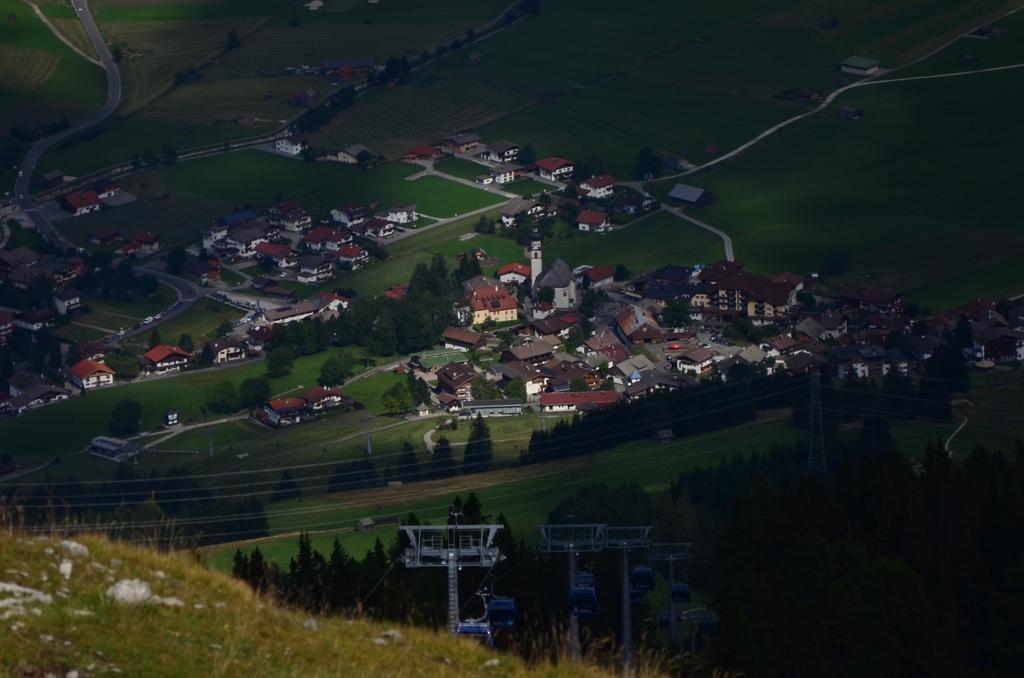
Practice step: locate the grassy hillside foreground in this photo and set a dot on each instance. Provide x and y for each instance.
(58, 617)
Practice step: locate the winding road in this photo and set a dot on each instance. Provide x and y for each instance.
(28, 166)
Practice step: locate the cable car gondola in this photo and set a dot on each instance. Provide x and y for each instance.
(642, 578)
(502, 612)
(681, 593)
(583, 596)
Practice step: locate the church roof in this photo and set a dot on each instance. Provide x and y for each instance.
(557, 275)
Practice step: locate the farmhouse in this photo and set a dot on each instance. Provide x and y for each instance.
(405, 214)
(37, 395)
(697, 360)
(577, 401)
(322, 238)
(598, 277)
(146, 241)
(856, 65)
(314, 270)
(514, 273)
(242, 241)
(502, 174)
(598, 187)
(520, 206)
(292, 145)
(227, 349)
(66, 301)
(163, 358)
(501, 152)
(378, 228)
(319, 398)
(422, 152)
(636, 325)
(349, 215)
(461, 339)
(493, 303)
(593, 221)
(353, 154)
(81, 202)
(534, 353)
(282, 256)
(353, 254)
(201, 271)
(554, 168)
(690, 195)
(461, 143)
(284, 411)
(89, 374)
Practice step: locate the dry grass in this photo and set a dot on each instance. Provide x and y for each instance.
(73, 30)
(221, 628)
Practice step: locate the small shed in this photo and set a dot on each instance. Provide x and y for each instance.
(365, 524)
(857, 65)
(665, 436)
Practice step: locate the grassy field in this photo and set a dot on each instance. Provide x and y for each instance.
(871, 188)
(1001, 50)
(524, 495)
(44, 433)
(254, 177)
(200, 322)
(165, 296)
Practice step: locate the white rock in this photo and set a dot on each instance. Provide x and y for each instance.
(379, 641)
(71, 674)
(46, 638)
(198, 606)
(393, 634)
(491, 663)
(66, 567)
(48, 551)
(219, 605)
(169, 602)
(81, 613)
(311, 624)
(130, 591)
(74, 548)
(116, 563)
(159, 574)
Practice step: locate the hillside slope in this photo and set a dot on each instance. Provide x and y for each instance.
(82, 607)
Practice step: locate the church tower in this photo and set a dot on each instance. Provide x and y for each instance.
(536, 260)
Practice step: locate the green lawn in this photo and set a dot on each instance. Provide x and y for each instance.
(524, 501)
(255, 178)
(459, 167)
(178, 11)
(66, 427)
(23, 237)
(657, 239)
(918, 194)
(370, 390)
(165, 296)
(200, 322)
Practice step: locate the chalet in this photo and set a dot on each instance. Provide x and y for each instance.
(422, 152)
(593, 221)
(349, 215)
(598, 277)
(292, 145)
(227, 349)
(856, 65)
(283, 315)
(697, 361)
(862, 361)
(106, 191)
(1000, 344)
(351, 155)
(520, 206)
(243, 240)
(67, 301)
(604, 347)
(88, 374)
(515, 273)
(6, 326)
(314, 270)
(502, 174)
(162, 359)
(284, 411)
(329, 302)
(145, 242)
(406, 214)
(282, 256)
(378, 228)
(461, 339)
(201, 271)
(501, 152)
(319, 398)
(461, 143)
(632, 369)
(294, 220)
(353, 254)
(554, 168)
(691, 196)
(874, 299)
(19, 256)
(636, 325)
(599, 187)
(81, 202)
(492, 408)
(37, 395)
(456, 379)
(534, 352)
(35, 320)
(578, 401)
(493, 303)
(324, 239)
(631, 202)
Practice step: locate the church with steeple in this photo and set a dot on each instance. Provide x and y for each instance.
(558, 277)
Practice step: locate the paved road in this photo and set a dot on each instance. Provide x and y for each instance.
(726, 240)
(28, 166)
